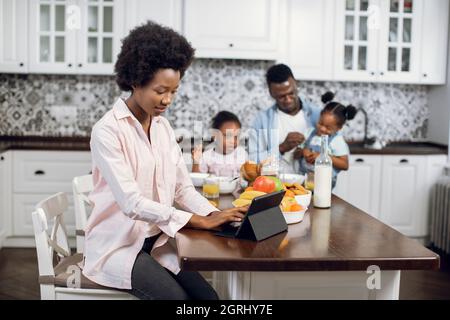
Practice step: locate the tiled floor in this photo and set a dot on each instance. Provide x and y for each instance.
(19, 274)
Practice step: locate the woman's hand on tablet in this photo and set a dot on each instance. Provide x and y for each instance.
(217, 218)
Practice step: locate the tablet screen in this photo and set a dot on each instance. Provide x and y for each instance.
(266, 201)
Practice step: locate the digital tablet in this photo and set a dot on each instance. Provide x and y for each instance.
(262, 220)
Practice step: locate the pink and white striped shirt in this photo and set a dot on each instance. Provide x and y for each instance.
(135, 185)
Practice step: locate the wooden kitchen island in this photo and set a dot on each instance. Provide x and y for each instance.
(332, 254)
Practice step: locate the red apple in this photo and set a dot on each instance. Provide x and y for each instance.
(264, 184)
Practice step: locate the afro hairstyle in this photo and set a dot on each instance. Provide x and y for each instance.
(147, 49)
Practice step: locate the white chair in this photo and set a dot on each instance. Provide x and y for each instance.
(65, 280)
(81, 186)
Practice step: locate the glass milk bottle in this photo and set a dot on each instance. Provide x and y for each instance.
(322, 176)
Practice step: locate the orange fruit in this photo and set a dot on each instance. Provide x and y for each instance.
(283, 244)
(249, 189)
(295, 207)
(285, 207)
(290, 194)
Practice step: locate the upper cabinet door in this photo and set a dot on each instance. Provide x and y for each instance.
(309, 38)
(51, 38)
(98, 40)
(434, 42)
(400, 38)
(165, 12)
(233, 28)
(356, 40)
(13, 36)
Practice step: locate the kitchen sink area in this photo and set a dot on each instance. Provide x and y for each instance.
(400, 147)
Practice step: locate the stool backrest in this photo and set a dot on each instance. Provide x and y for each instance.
(49, 212)
(81, 186)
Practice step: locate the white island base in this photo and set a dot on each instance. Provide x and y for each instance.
(315, 285)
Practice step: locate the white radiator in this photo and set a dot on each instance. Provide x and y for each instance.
(440, 214)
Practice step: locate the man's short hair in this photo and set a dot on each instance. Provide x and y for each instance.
(278, 73)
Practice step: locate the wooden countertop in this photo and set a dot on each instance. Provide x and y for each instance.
(337, 239)
(401, 148)
(44, 143)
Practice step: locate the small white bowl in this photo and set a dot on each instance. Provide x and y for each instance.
(304, 199)
(198, 178)
(292, 178)
(227, 185)
(294, 217)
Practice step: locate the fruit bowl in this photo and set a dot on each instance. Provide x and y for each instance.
(198, 178)
(227, 185)
(304, 199)
(292, 217)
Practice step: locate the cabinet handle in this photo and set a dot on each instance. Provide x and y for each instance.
(425, 75)
(2, 158)
(359, 160)
(404, 161)
(231, 45)
(381, 73)
(90, 172)
(372, 73)
(69, 65)
(80, 65)
(21, 64)
(39, 172)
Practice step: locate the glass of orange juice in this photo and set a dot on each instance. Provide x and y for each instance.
(309, 181)
(211, 190)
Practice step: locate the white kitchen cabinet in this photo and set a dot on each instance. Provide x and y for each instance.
(3, 188)
(360, 185)
(392, 188)
(52, 43)
(403, 197)
(13, 36)
(165, 12)
(356, 40)
(24, 204)
(5, 196)
(48, 171)
(31, 176)
(433, 57)
(233, 29)
(98, 41)
(402, 41)
(308, 39)
(74, 36)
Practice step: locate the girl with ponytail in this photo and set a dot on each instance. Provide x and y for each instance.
(332, 118)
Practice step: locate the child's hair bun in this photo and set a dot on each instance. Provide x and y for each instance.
(350, 112)
(327, 97)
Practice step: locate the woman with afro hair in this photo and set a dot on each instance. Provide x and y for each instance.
(138, 173)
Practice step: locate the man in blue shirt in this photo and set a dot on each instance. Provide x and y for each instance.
(279, 130)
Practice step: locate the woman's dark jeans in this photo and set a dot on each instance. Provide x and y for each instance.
(151, 281)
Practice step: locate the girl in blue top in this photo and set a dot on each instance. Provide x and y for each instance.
(332, 118)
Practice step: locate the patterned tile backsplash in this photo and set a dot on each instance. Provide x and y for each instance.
(65, 105)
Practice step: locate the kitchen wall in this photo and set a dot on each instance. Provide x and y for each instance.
(55, 105)
(439, 101)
